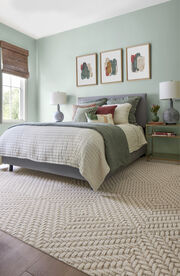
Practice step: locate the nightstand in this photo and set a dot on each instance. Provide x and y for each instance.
(159, 146)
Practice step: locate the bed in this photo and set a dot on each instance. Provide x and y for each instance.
(72, 171)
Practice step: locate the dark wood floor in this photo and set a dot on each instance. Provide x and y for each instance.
(20, 259)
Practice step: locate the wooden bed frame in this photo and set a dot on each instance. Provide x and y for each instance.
(64, 170)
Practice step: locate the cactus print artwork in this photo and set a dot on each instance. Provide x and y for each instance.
(86, 71)
(137, 62)
(110, 67)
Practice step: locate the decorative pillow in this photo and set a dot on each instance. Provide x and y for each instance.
(121, 113)
(98, 102)
(80, 115)
(91, 114)
(134, 101)
(107, 109)
(76, 106)
(106, 119)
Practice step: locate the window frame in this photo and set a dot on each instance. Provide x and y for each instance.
(1, 104)
(23, 100)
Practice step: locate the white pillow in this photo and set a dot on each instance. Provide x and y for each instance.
(121, 113)
(106, 118)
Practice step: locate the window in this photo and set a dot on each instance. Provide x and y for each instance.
(13, 75)
(13, 92)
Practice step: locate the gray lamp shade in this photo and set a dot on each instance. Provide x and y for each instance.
(170, 90)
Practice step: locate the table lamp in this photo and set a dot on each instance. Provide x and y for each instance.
(170, 90)
(58, 98)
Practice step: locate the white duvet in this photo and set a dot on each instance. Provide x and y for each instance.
(77, 147)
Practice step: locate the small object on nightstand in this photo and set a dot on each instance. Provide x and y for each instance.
(156, 123)
(154, 109)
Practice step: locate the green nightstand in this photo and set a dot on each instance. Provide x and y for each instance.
(156, 141)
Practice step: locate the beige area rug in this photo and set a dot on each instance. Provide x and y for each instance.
(131, 226)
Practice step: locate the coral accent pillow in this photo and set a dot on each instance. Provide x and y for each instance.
(103, 110)
(76, 106)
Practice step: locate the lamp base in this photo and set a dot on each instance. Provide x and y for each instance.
(171, 116)
(59, 116)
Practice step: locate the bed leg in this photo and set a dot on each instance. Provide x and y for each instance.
(11, 168)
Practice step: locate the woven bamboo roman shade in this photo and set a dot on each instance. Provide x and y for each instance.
(14, 60)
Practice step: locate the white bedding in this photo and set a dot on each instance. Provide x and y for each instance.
(81, 148)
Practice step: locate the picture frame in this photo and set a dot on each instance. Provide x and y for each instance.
(111, 66)
(86, 70)
(138, 62)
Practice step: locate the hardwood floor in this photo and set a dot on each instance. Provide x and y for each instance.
(20, 259)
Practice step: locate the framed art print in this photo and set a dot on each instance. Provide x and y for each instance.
(111, 66)
(86, 70)
(138, 63)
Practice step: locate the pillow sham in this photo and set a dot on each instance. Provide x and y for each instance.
(133, 100)
(76, 106)
(106, 119)
(98, 102)
(80, 115)
(91, 114)
(107, 109)
(121, 114)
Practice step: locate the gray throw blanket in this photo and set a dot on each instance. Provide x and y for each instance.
(116, 146)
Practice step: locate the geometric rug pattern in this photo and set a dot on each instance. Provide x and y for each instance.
(129, 227)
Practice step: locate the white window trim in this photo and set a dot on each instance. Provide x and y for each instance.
(1, 104)
(25, 112)
(1, 100)
(23, 104)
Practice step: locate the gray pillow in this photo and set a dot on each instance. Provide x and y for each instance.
(134, 101)
(81, 114)
(98, 102)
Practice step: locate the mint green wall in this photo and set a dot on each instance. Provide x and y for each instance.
(21, 40)
(53, 58)
(159, 25)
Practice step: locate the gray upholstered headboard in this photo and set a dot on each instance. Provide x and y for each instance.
(141, 112)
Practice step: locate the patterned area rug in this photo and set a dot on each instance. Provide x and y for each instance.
(131, 226)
